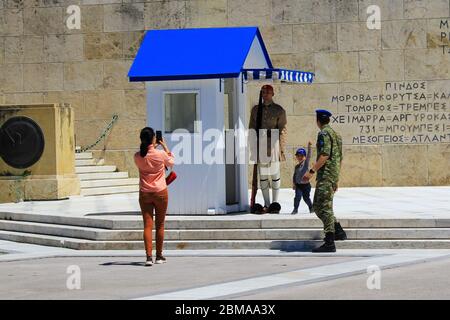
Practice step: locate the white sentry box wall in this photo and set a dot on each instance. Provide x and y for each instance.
(201, 188)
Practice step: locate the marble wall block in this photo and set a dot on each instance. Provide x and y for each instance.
(103, 104)
(135, 106)
(416, 9)
(24, 49)
(411, 172)
(2, 50)
(381, 65)
(292, 11)
(438, 157)
(101, 46)
(249, 12)
(131, 43)
(115, 75)
(356, 36)
(315, 37)
(336, 67)
(402, 34)
(64, 48)
(11, 22)
(11, 77)
(43, 21)
(206, 13)
(123, 17)
(315, 96)
(361, 166)
(165, 15)
(423, 64)
(278, 39)
(43, 77)
(335, 11)
(83, 76)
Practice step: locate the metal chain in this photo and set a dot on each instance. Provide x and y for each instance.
(102, 136)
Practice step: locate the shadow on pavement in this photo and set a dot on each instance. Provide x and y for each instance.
(123, 263)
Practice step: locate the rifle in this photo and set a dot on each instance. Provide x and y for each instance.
(255, 166)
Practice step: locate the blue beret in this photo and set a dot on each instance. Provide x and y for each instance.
(323, 113)
(301, 151)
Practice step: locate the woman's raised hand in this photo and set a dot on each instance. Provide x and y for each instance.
(164, 145)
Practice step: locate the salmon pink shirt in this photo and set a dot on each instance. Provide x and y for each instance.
(152, 176)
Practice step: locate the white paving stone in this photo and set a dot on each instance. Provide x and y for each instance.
(386, 202)
(298, 277)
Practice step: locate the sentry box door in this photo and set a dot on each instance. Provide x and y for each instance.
(195, 117)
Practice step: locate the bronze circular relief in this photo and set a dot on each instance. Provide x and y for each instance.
(21, 142)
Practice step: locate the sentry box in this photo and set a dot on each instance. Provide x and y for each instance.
(196, 92)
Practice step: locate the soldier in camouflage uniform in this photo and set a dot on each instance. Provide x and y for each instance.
(328, 165)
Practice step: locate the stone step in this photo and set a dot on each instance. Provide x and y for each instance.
(64, 230)
(84, 221)
(109, 190)
(109, 183)
(133, 221)
(102, 175)
(85, 162)
(83, 155)
(81, 244)
(221, 234)
(94, 169)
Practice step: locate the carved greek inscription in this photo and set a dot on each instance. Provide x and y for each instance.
(404, 113)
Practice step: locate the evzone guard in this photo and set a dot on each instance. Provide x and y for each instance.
(269, 121)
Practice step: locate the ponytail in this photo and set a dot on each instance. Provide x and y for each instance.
(146, 136)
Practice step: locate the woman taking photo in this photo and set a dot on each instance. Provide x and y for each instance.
(153, 195)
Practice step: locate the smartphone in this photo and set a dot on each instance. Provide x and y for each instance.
(158, 136)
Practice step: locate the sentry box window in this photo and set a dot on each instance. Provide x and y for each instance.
(180, 111)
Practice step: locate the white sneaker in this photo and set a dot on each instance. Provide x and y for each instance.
(160, 260)
(149, 262)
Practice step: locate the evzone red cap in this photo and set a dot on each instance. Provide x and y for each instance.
(267, 87)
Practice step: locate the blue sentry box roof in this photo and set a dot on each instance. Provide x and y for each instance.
(204, 53)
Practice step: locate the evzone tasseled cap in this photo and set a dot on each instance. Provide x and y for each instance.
(267, 87)
(323, 114)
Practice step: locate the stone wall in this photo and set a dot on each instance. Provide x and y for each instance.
(41, 60)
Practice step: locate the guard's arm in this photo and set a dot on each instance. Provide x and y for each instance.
(252, 122)
(282, 126)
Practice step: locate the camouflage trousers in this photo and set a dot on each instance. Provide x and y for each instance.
(323, 204)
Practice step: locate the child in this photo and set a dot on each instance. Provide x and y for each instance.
(301, 186)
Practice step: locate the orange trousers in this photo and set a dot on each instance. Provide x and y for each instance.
(149, 202)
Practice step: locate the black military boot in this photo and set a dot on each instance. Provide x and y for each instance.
(257, 209)
(274, 207)
(339, 233)
(328, 246)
